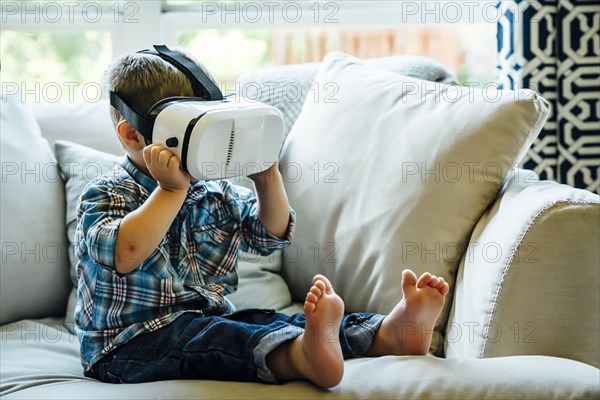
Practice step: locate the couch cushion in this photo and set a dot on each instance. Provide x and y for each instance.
(63, 121)
(393, 172)
(286, 87)
(78, 165)
(40, 360)
(33, 277)
(260, 284)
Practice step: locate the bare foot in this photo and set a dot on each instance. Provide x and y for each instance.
(316, 355)
(408, 329)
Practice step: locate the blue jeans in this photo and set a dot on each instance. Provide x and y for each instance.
(221, 347)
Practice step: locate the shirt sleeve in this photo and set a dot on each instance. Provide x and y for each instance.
(253, 234)
(100, 211)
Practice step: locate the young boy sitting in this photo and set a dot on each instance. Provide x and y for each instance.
(158, 253)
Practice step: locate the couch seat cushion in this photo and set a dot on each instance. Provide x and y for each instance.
(40, 360)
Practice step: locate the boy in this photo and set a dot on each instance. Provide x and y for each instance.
(158, 253)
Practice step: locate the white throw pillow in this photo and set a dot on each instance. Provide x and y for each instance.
(34, 279)
(393, 172)
(78, 165)
(93, 127)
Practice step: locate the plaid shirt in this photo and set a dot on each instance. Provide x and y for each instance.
(191, 270)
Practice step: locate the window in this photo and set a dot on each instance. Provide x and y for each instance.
(55, 66)
(68, 44)
(469, 50)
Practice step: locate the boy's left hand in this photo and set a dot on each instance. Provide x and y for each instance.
(267, 176)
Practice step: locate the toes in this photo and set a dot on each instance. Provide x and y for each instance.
(311, 298)
(424, 279)
(444, 289)
(309, 307)
(310, 303)
(441, 283)
(318, 277)
(434, 281)
(409, 281)
(317, 291)
(327, 287)
(321, 286)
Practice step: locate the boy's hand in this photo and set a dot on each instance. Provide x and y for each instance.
(164, 167)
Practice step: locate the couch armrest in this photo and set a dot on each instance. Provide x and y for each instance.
(529, 281)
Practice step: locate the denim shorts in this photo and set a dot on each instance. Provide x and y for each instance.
(221, 347)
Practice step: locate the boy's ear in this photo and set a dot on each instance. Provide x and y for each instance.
(130, 137)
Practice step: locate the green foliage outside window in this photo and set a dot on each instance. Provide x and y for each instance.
(68, 61)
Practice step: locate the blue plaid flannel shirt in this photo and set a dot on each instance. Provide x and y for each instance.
(192, 269)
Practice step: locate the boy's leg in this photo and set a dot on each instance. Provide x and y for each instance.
(407, 330)
(316, 354)
(255, 345)
(195, 347)
(250, 345)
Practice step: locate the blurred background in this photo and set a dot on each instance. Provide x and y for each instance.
(72, 50)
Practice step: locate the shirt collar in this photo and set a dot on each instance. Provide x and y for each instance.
(141, 178)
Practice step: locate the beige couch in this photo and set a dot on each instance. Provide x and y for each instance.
(522, 320)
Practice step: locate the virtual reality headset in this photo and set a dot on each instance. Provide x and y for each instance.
(214, 136)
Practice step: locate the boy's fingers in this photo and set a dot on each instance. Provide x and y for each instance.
(174, 162)
(155, 153)
(147, 154)
(164, 156)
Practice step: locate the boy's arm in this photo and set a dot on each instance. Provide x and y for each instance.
(141, 231)
(273, 206)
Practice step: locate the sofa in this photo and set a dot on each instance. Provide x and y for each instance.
(389, 165)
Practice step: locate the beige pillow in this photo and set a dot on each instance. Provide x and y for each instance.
(33, 271)
(78, 165)
(393, 172)
(62, 121)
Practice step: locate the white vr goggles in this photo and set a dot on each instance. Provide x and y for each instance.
(214, 136)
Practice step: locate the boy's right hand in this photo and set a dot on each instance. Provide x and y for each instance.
(164, 167)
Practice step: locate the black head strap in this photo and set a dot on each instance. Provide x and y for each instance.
(202, 85)
(143, 124)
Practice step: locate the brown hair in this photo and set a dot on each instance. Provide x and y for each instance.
(143, 79)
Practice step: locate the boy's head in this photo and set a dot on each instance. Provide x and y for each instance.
(142, 80)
